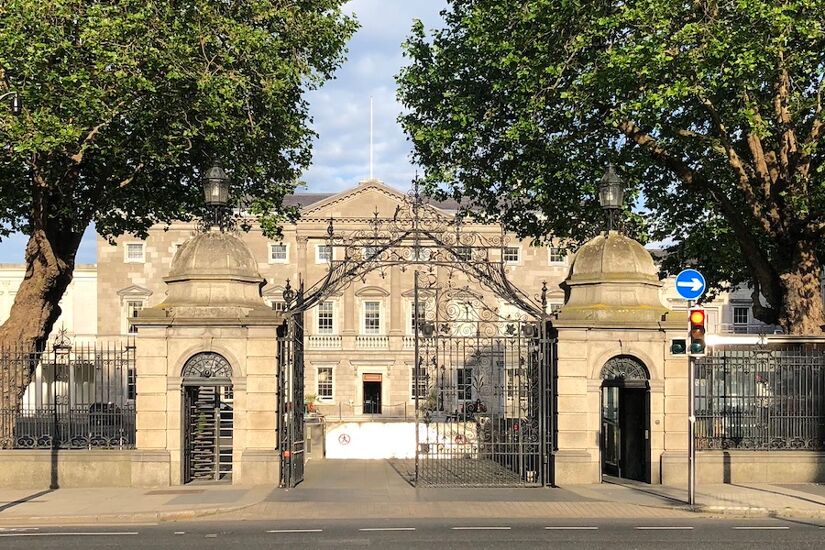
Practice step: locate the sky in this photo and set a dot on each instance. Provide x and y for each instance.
(341, 110)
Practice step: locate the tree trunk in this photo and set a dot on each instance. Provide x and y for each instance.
(50, 257)
(802, 311)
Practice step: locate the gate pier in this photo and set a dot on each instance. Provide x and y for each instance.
(206, 371)
(621, 393)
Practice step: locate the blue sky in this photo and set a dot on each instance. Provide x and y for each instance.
(340, 110)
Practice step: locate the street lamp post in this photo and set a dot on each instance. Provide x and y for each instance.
(216, 193)
(16, 103)
(611, 195)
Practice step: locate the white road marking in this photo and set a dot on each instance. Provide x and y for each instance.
(296, 531)
(388, 529)
(212, 536)
(180, 532)
(571, 528)
(763, 528)
(480, 528)
(98, 534)
(18, 529)
(666, 528)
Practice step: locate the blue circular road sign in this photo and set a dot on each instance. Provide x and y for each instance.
(690, 284)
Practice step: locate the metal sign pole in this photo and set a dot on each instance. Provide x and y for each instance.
(691, 421)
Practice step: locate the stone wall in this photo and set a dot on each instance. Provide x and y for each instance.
(39, 469)
(746, 467)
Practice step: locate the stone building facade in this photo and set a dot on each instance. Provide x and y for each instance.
(366, 329)
(363, 333)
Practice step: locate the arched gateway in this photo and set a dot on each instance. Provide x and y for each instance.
(625, 418)
(208, 418)
(481, 375)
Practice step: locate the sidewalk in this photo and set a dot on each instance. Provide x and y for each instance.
(374, 490)
(804, 500)
(124, 504)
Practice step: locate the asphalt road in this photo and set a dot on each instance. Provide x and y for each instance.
(454, 534)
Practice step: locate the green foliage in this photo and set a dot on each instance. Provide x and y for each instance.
(127, 102)
(519, 105)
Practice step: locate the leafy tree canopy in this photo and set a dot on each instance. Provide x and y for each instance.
(127, 102)
(711, 110)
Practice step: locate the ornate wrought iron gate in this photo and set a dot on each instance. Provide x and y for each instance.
(483, 392)
(291, 441)
(484, 381)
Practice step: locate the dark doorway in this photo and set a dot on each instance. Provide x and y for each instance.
(625, 431)
(372, 397)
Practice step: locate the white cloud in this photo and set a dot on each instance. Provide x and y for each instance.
(341, 108)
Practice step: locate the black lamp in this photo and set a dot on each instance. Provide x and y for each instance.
(216, 190)
(16, 102)
(611, 194)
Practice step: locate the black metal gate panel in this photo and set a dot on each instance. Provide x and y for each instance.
(208, 418)
(291, 437)
(483, 393)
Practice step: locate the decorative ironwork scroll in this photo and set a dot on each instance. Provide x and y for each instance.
(624, 367)
(207, 366)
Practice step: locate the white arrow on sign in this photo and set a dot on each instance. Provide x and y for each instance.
(693, 284)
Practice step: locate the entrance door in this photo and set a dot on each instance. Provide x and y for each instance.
(633, 420)
(372, 394)
(611, 432)
(625, 432)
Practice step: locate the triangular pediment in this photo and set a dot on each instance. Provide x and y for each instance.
(361, 201)
(273, 291)
(134, 290)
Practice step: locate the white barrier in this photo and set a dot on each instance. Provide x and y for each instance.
(381, 440)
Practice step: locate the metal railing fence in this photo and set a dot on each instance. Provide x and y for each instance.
(79, 397)
(765, 397)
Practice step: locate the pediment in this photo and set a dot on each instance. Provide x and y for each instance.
(421, 293)
(359, 202)
(372, 291)
(134, 290)
(273, 291)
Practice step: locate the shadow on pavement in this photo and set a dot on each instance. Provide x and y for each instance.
(23, 500)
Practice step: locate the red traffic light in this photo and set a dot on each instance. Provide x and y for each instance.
(696, 332)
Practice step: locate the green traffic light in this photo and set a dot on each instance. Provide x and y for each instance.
(697, 346)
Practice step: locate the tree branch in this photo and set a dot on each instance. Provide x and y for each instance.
(788, 144)
(77, 158)
(752, 252)
(769, 219)
(131, 178)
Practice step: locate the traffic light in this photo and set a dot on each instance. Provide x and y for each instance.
(697, 332)
(678, 346)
